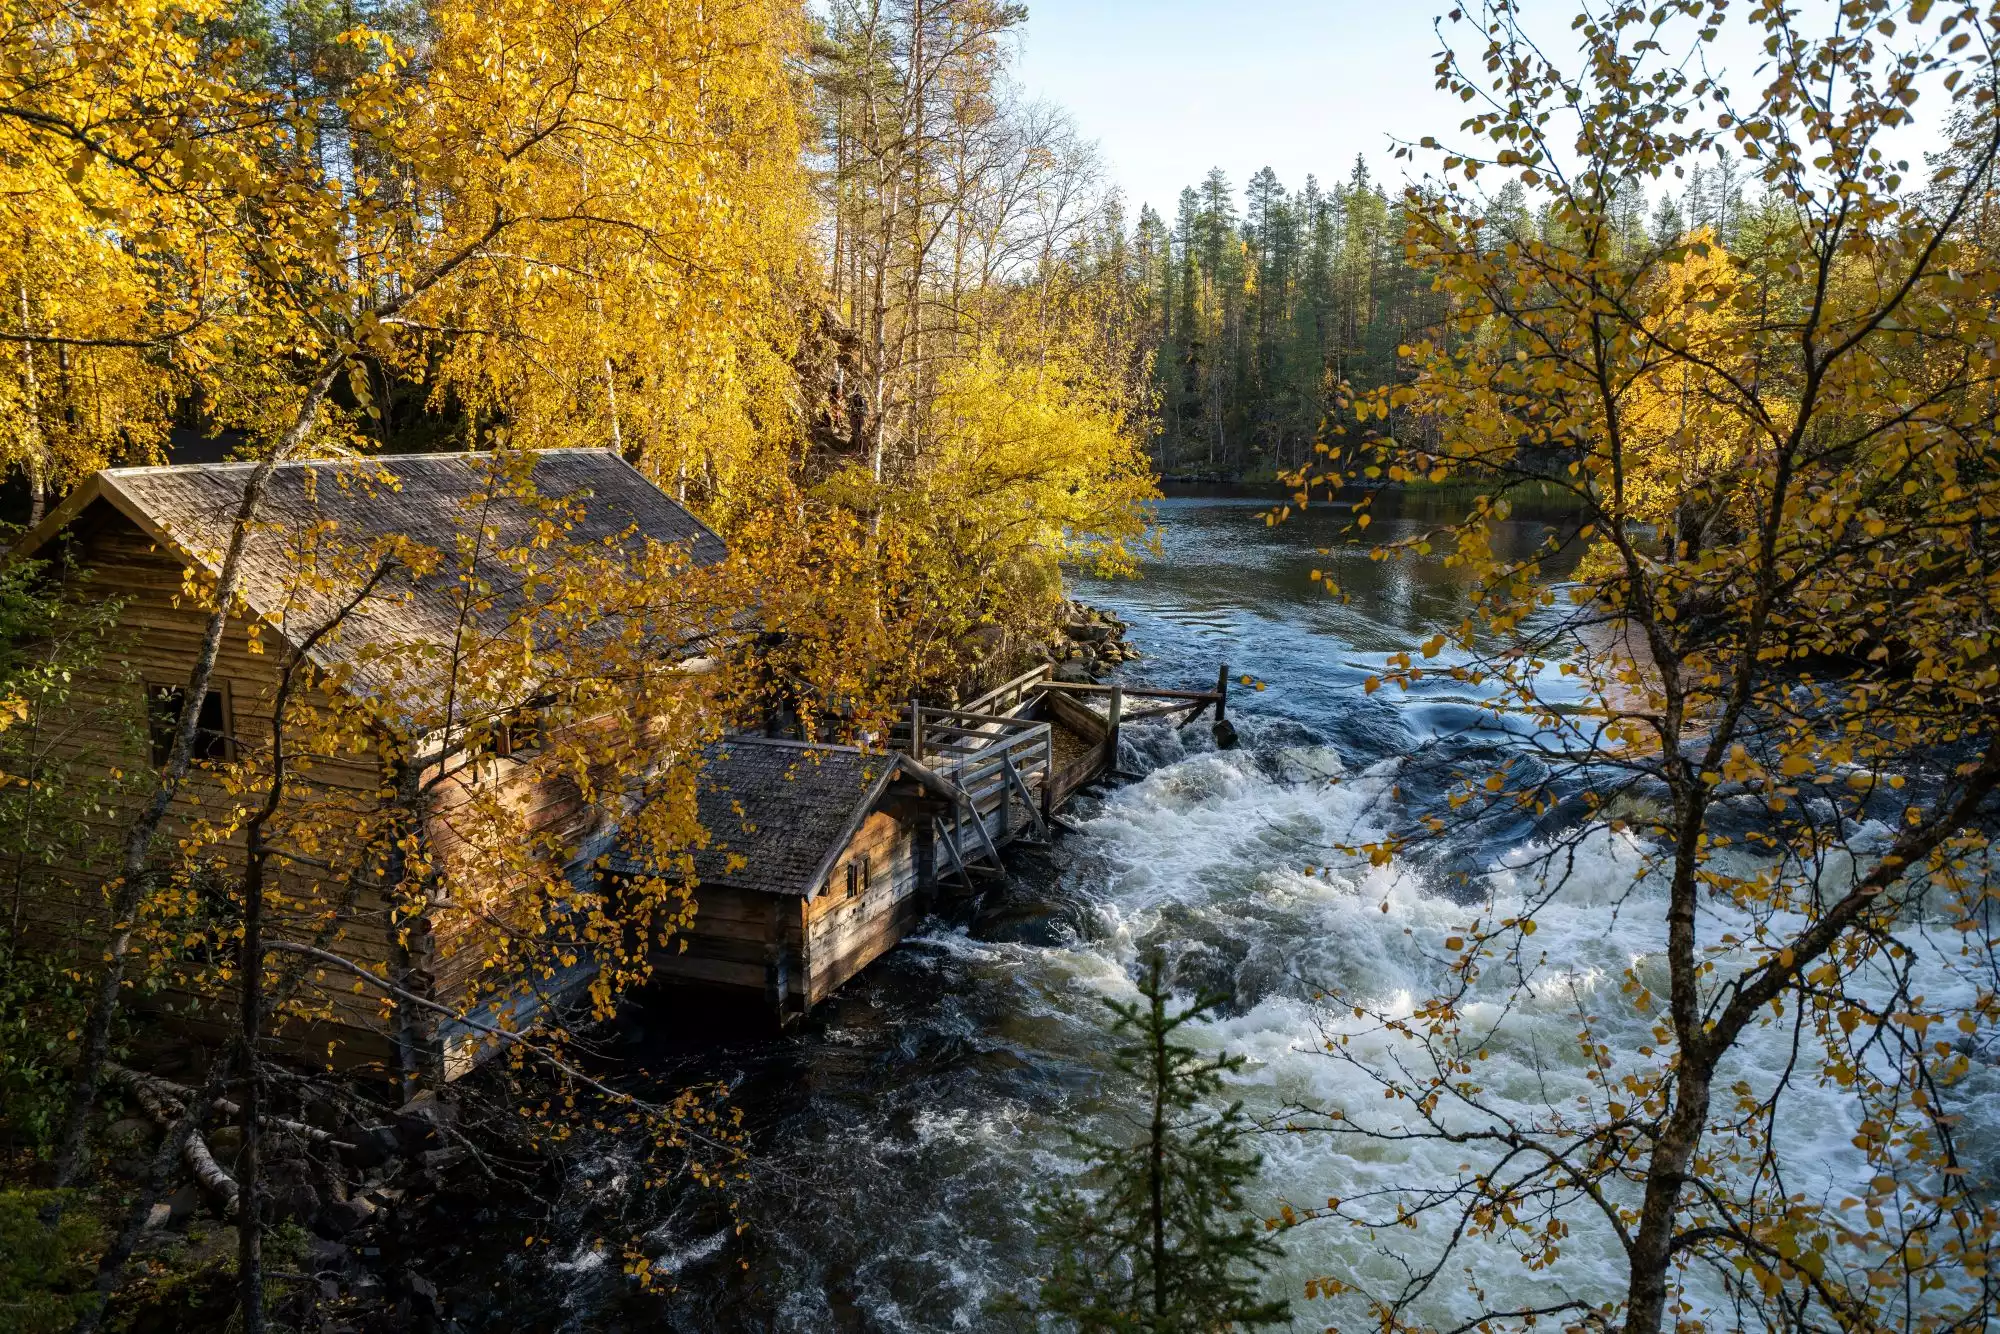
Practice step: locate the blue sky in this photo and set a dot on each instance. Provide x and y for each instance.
(1170, 88)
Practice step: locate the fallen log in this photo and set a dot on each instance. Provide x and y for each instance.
(165, 1110)
(181, 1093)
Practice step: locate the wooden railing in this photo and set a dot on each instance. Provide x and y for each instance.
(1003, 779)
(1004, 764)
(1012, 694)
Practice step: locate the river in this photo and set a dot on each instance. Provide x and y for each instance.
(900, 1133)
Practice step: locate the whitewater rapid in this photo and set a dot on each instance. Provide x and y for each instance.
(902, 1132)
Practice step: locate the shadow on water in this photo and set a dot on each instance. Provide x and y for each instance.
(901, 1131)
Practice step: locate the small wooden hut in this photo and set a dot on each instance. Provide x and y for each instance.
(819, 861)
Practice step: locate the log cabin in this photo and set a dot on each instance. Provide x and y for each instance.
(820, 860)
(147, 536)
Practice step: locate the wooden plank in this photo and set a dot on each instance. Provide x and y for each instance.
(1075, 717)
(987, 839)
(716, 972)
(1112, 722)
(973, 715)
(1134, 692)
(1016, 687)
(1193, 710)
(1027, 800)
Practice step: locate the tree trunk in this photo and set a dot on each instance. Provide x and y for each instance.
(36, 442)
(1156, 1163)
(1667, 1170)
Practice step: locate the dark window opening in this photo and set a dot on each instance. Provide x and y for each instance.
(211, 730)
(857, 877)
(490, 742)
(519, 733)
(525, 731)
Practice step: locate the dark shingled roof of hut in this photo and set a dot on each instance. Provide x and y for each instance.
(784, 807)
(433, 499)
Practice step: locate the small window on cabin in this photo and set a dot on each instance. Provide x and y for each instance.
(490, 742)
(857, 877)
(526, 730)
(520, 733)
(163, 716)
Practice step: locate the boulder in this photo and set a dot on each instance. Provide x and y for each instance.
(289, 1195)
(325, 1257)
(340, 1217)
(420, 1288)
(183, 1204)
(372, 1147)
(420, 1123)
(225, 1142)
(1073, 672)
(132, 1167)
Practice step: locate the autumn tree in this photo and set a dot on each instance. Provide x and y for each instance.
(977, 370)
(1770, 693)
(461, 208)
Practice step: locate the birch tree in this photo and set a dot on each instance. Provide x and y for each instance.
(1771, 687)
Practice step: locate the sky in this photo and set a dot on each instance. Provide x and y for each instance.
(1170, 88)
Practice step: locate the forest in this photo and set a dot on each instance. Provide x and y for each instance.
(1260, 319)
(442, 436)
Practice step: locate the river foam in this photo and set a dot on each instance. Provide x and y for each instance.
(1221, 860)
(902, 1133)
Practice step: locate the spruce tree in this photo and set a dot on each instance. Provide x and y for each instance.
(1153, 1238)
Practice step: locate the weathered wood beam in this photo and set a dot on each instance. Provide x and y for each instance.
(1027, 799)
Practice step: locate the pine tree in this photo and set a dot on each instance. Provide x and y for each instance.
(1668, 223)
(1507, 216)
(1629, 214)
(1726, 198)
(1153, 1240)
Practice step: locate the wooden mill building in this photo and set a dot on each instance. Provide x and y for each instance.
(139, 534)
(821, 859)
(817, 859)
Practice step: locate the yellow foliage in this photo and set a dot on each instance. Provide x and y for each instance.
(1686, 439)
(1033, 459)
(645, 309)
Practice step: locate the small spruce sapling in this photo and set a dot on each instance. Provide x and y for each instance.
(1152, 1236)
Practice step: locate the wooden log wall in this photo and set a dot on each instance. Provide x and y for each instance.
(444, 953)
(845, 934)
(64, 906)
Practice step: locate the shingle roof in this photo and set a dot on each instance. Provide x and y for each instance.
(438, 500)
(784, 807)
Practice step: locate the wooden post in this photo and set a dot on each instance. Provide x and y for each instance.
(1221, 692)
(1048, 772)
(1006, 802)
(1111, 726)
(916, 729)
(777, 983)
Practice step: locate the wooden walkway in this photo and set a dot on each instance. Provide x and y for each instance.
(1017, 754)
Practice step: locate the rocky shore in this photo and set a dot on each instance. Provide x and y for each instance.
(1089, 644)
(353, 1190)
